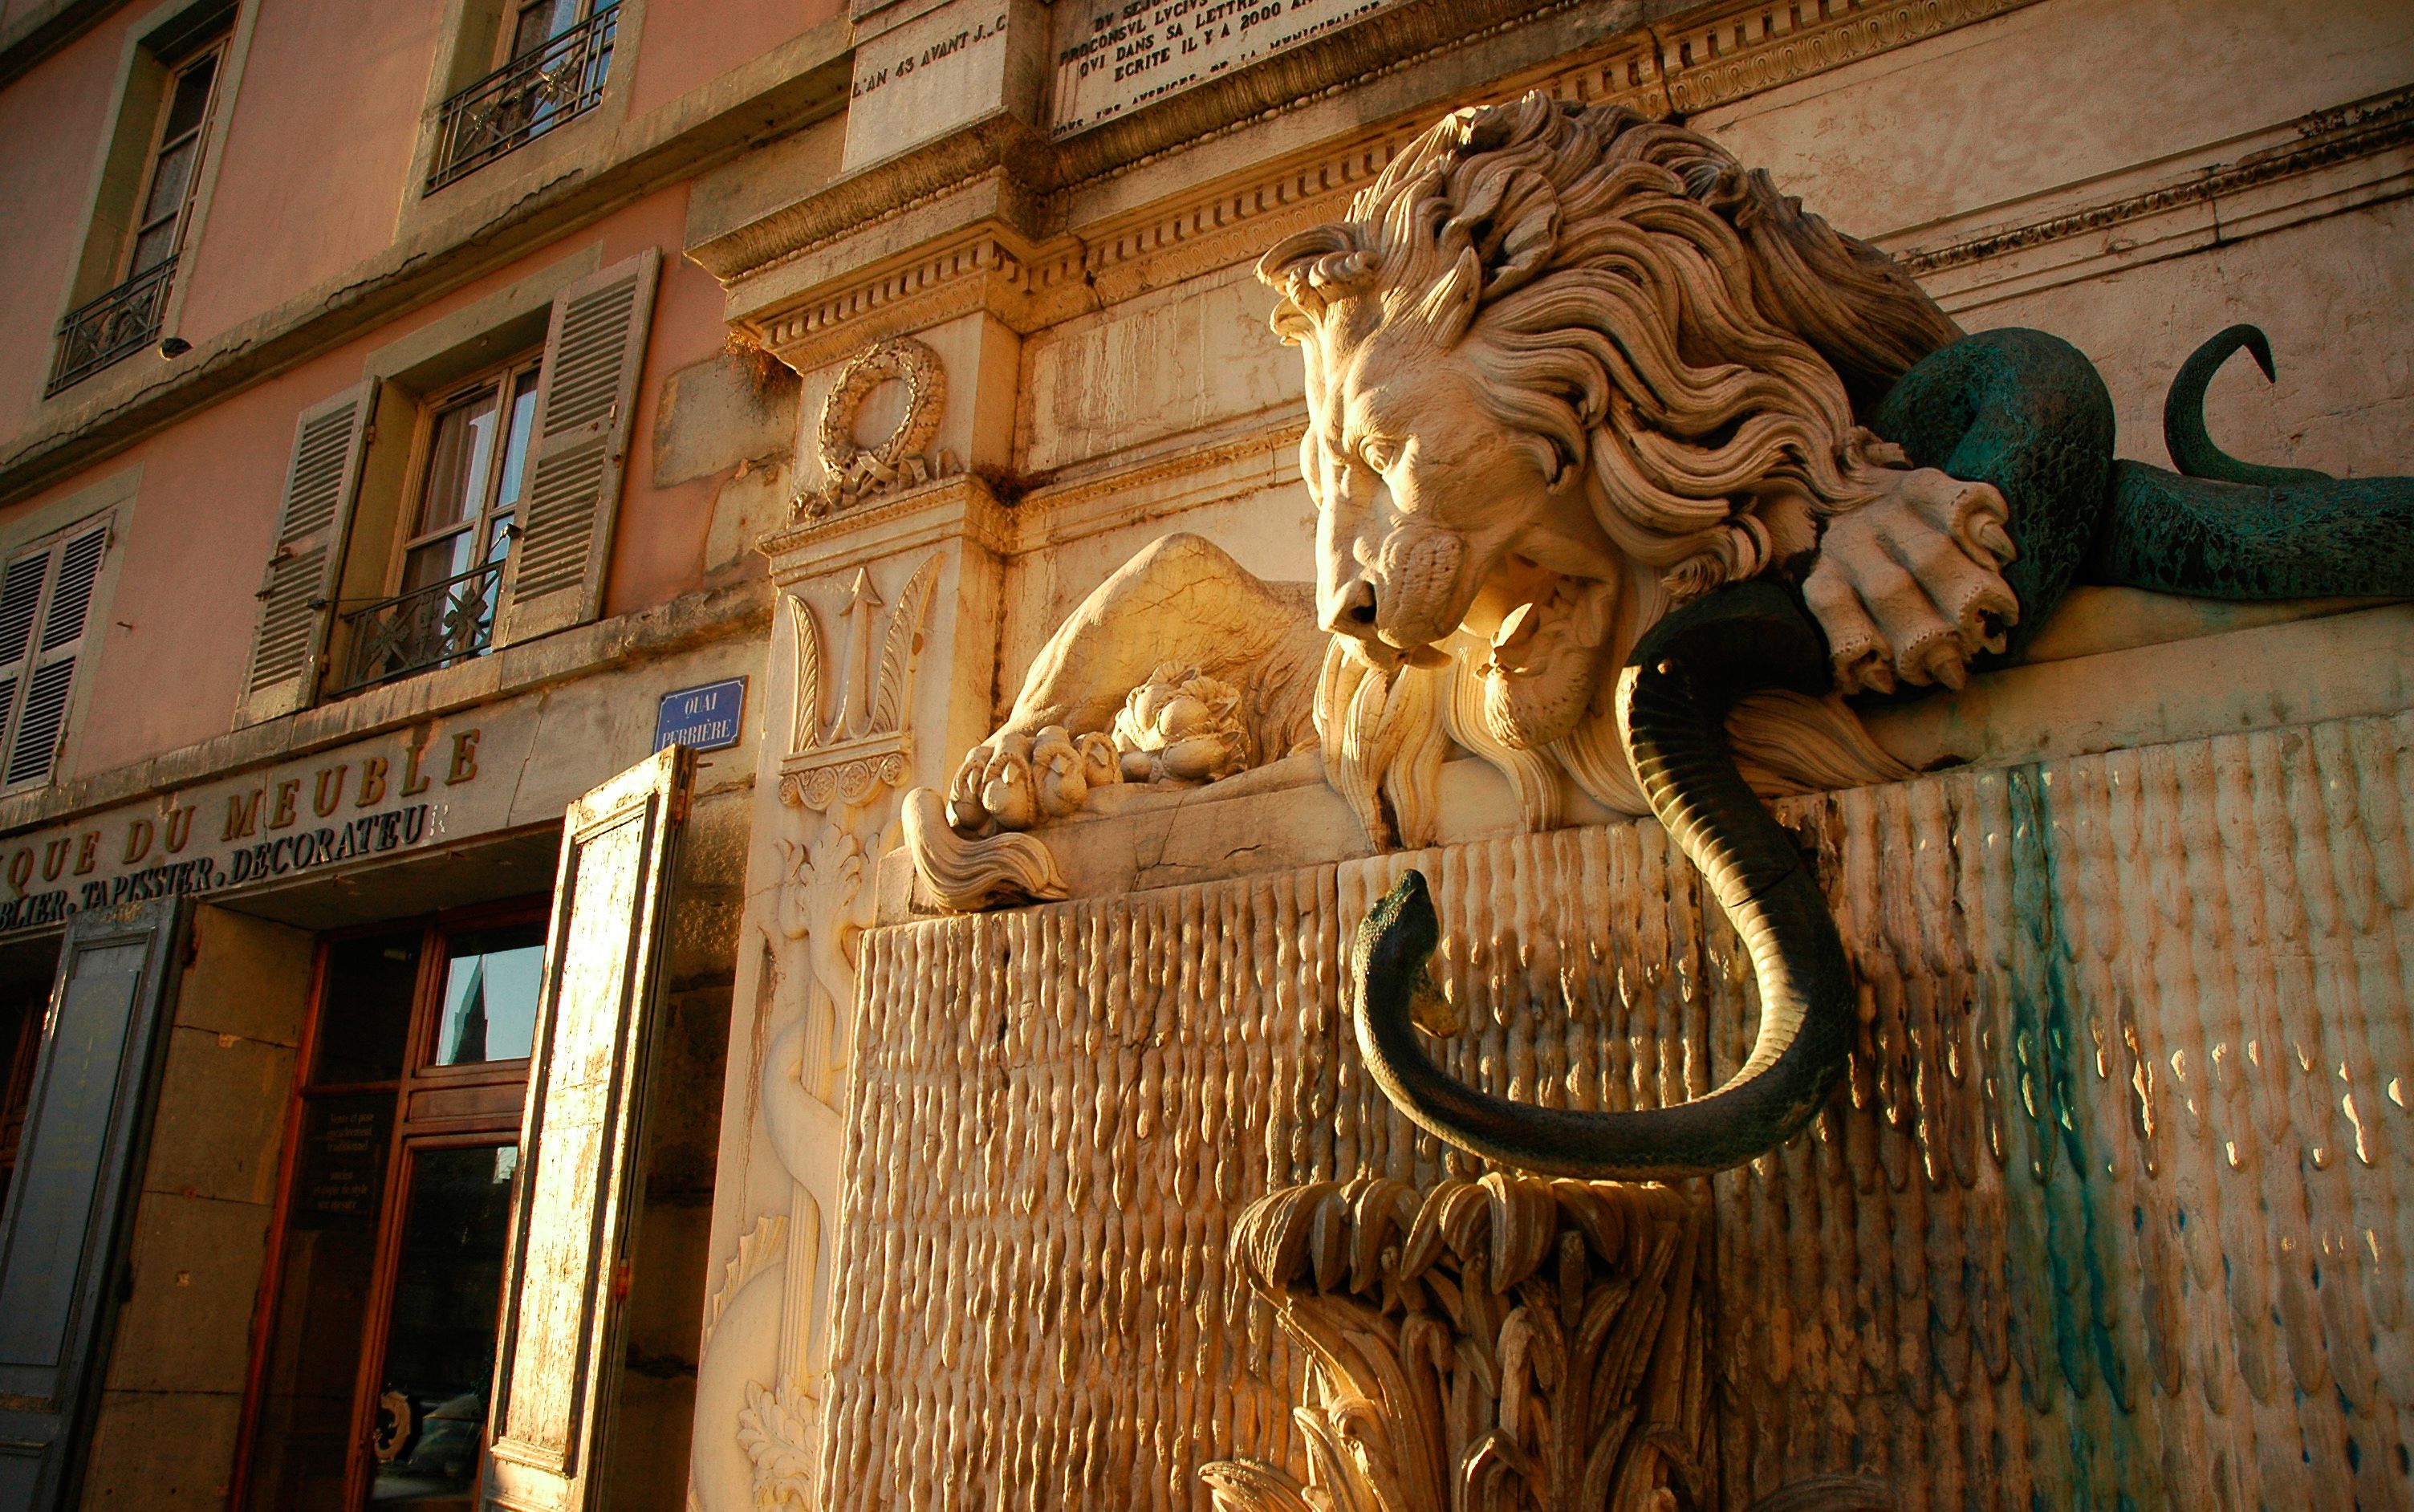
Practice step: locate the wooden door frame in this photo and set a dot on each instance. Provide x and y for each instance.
(401, 1141)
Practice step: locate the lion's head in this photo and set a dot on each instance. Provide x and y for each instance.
(1566, 368)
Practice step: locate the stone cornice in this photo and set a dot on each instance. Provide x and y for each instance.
(995, 147)
(683, 623)
(2322, 139)
(960, 507)
(43, 29)
(1721, 53)
(1692, 60)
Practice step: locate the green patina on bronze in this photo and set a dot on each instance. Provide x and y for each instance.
(2027, 413)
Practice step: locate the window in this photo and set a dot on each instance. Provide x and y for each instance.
(552, 59)
(395, 1209)
(485, 498)
(45, 598)
(472, 459)
(175, 160)
(128, 317)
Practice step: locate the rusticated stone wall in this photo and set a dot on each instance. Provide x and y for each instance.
(2110, 1205)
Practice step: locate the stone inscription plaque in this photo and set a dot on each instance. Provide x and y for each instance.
(1116, 56)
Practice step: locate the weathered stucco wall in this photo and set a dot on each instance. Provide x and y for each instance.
(205, 509)
(285, 218)
(2108, 1208)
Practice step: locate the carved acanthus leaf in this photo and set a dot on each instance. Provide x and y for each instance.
(807, 639)
(1504, 1345)
(758, 1248)
(775, 1428)
(899, 646)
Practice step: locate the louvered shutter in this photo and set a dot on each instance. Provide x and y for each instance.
(566, 1277)
(45, 598)
(64, 1232)
(298, 591)
(21, 599)
(586, 402)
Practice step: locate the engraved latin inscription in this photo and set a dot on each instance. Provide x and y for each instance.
(1117, 55)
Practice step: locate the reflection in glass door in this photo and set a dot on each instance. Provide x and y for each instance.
(439, 1334)
(374, 1350)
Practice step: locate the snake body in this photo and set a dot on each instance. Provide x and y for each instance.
(2028, 413)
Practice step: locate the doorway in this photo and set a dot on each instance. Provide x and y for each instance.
(374, 1346)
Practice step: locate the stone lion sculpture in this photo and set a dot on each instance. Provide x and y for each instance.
(1628, 473)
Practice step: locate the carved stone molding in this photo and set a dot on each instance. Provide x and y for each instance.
(1724, 54)
(2321, 139)
(1029, 277)
(1508, 1344)
(989, 270)
(899, 520)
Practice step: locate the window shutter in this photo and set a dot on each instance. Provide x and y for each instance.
(48, 663)
(299, 588)
(586, 403)
(45, 598)
(64, 1234)
(21, 599)
(582, 1166)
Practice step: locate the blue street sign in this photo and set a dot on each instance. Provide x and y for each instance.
(702, 719)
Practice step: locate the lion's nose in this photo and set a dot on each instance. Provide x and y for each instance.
(1353, 609)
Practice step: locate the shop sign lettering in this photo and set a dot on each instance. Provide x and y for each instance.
(236, 833)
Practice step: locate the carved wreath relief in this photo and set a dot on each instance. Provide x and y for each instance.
(898, 459)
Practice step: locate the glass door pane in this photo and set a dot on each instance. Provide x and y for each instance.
(491, 984)
(329, 1255)
(439, 1342)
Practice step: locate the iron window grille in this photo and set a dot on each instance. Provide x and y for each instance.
(117, 325)
(444, 623)
(524, 100)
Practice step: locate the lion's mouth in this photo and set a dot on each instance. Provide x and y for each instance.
(1557, 613)
(1539, 683)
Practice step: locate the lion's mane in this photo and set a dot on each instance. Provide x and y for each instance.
(1644, 306)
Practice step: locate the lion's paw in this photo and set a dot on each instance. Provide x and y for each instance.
(1910, 587)
(1014, 781)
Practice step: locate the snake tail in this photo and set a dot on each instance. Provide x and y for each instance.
(1671, 702)
(2220, 528)
(2190, 444)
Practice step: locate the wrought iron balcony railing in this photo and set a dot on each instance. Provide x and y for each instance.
(117, 325)
(433, 626)
(524, 100)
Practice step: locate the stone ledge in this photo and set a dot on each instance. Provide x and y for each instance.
(45, 28)
(2323, 659)
(689, 621)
